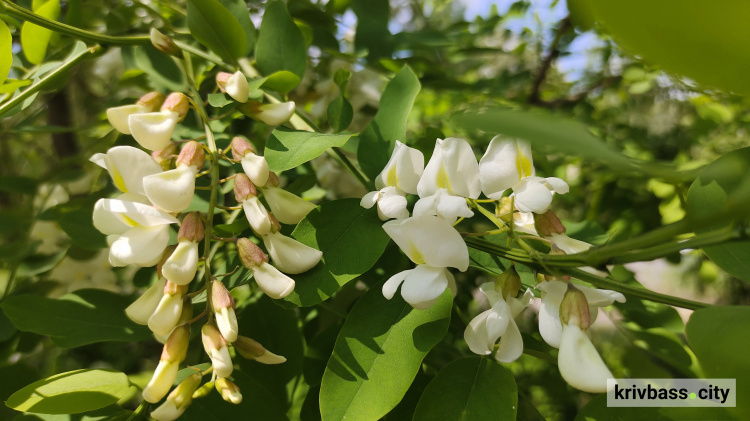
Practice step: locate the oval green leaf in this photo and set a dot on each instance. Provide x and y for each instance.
(71, 393)
(79, 318)
(389, 125)
(472, 388)
(287, 149)
(214, 26)
(351, 239)
(705, 42)
(34, 38)
(280, 42)
(708, 204)
(378, 353)
(6, 51)
(238, 8)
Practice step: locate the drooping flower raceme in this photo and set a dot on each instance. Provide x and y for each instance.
(498, 323)
(173, 190)
(452, 171)
(507, 164)
(399, 178)
(434, 245)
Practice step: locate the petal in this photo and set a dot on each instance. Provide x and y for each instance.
(127, 166)
(167, 411)
(257, 215)
(167, 314)
(142, 246)
(181, 266)
(237, 87)
(451, 207)
(118, 116)
(454, 167)
(601, 297)
(370, 199)
(557, 185)
(475, 335)
(274, 283)
(115, 216)
(106, 222)
(288, 208)
(423, 286)
(569, 245)
(171, 190)
(429, 240)
(142, 308)
(391, 285)
(579, 362)
(226, 321)
(403, 170)
(517, 305)
(289, 255)
(275, 114)
(222, 362)
(550, 326)
(256, 168)
(511, 344)
(503, 165)
(392, 204)
(160, 383)
(532, 196)
(153, 131)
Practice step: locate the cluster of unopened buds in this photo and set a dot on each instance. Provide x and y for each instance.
(448, 189)
(156, 190)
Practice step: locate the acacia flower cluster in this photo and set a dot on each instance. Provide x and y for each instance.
(448, 188)
(156, 190)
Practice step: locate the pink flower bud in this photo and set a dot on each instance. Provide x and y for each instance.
(253, 350)
(164, 44)
(250, 254)
(228, 390)
(548, 223)
(192, 228)
(176, 347)
(243, 188)
(152, 101)
(273, 180)
(241, 147)
(192, 154)
(574, 308)
(178, 103)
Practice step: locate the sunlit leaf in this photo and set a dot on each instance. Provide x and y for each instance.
(34, 38)
(6, 51)
(214, 26)
(288, 149)
(280, 42)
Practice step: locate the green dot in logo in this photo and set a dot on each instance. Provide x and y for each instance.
(692, 396)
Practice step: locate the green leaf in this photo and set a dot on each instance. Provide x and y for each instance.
(239, 10)
(318, 351)
(82, 317)
(282, 81)
(39, 263)
(543, 129)
(280, 42)
(718, 337)
(34, 38)
(339, 113)
(214, 26)
(597, 410)
(378, 353)
(709, 197)
(257, 404)
(18, 184)
(13, 85)
(219, 100)
(351, 239)
(372, 28)
(6, 51)
(287, 149)
(162, 71)
(71, 393)
(695, 40)
(277, 329)
(389, 125)
(108, 413)
(472, 388)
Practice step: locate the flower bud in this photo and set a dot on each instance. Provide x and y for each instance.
(223, 305)
(177, 401)
(228, 390)
(243, 188)
(216, 347)
(161, 381)
(235, 85)
(167, 252)
(240, 148)
(547, 224)
(273, 180)
(192, 154)
(504, 209)
(508, 282)
(182, 265)
(192, 228)
(152, 130)
(204, 390)
(255, 166)
(164, 156)
(253, 350)
(164, 44)
(251, 255)
(574, 308)
(168, 312)
(151, 101)
(271, 114)
(175, 349)
(178, 103)
(146, 304)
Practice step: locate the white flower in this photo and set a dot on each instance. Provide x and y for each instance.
(434, 245)
(154, 130)
(181, 266)
(550, 326)
(579, 363)
(118, 116)
(403, 169)
(229, 391)
(172, 190)
(274, 114)
(498, 322)
(289, 255)
(216, 347)
(507, 164)
(390, 200)
(226, 321)
(167, 314)
(161, 382)
(453, 167)
(177, 401)
(257, 215)
(127, 166)
(142, 308)
(443, 205)
(237, 87)
(287, 207)
(272, 282)
(256, 167)
(137, 233)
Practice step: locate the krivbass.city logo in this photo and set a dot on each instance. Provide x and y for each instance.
(671, 392)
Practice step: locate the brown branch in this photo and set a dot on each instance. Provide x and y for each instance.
(554, 52)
